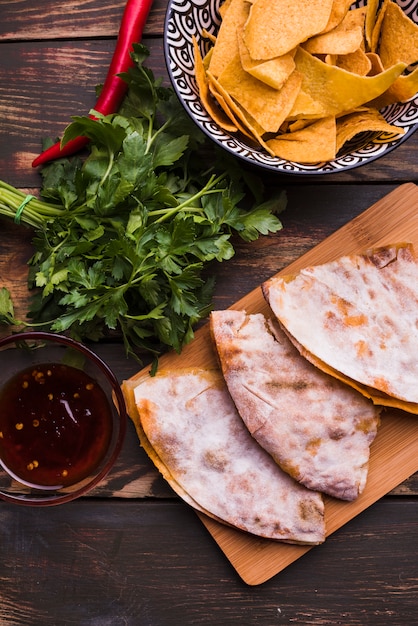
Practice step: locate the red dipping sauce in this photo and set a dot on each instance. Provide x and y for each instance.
(55, 425)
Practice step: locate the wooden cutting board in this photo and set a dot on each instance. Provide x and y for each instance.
(394, 453)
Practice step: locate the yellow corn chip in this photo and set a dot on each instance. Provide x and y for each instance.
(313, 144)
(330, 59)
(377, 25)
(225, 106)
(297, 125)
(398, 37)
(273, 72)
(371, 13)
(404, 88)
(207, 35)
(226, 41)
(370, 120)
(345, 38)
(224, 7)
(338, 12)
(202, 84)
(328, 90)
(253, 129)
(376, 63)
(268, 106)
(275, 28)
(357, 62)
(314, 74)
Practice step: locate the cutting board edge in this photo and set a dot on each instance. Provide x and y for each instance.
(360, 239)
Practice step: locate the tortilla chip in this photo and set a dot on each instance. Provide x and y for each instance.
(345, 38)
(253, 127)
(313, 144)
(226, 107)
(376, 63)
(275, 63)
(338, 12)
(207, 35)
(273, 72)
(250, 127)
(398, 37)
(275, 28)
(404, 88)
(344, 90)
(356, 62)
(268, 106)
(202, 83)
(370, 21)
(226, 42)
(330, 59)
(298, 125)
(375, 35)
(371, 120)
(224, 7)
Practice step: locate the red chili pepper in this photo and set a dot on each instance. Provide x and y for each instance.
(114, 88)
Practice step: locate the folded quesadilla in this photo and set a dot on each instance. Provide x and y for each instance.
(315, 427)
(195, 436)
(357, 319)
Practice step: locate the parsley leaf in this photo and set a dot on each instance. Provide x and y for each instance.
(123, 238)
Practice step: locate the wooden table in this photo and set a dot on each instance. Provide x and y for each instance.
(132, 552)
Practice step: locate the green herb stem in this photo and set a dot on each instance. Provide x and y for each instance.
(122, 237)
(185, 205)
(35, 212)
(108, 169)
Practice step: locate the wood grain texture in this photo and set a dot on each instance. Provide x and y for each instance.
(305, 224)
(57, 52)
(132, 554)
(42, 86)
(152, 564)
(52, 19)
(394, 453)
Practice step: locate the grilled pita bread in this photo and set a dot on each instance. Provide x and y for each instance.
(315, 427)
(128, 387)
(357, 319)
(194, 435)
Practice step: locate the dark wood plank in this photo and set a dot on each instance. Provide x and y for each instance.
(133, 553)
(148, 563)
(41, 88)
(52, 19)
(43, 84)
(313, 213)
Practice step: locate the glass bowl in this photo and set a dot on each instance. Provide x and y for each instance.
(62, 419)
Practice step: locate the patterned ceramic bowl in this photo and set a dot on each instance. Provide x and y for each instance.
(186, 18)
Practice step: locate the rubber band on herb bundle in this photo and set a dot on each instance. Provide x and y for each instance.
(21, 208)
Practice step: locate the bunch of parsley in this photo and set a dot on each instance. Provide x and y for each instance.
(122, 237)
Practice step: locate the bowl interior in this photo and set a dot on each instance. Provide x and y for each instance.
(188, 18)
(60, 406)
